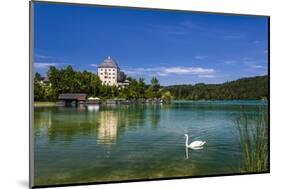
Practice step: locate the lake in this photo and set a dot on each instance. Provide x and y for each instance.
(128, 142)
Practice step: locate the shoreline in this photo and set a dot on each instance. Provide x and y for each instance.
(138, 102)
(44, 104)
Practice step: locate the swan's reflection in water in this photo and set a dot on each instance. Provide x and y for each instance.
(187, 151)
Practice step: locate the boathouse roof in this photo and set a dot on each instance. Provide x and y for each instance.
(72, 96)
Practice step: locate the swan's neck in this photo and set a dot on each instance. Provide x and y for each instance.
(186, 141)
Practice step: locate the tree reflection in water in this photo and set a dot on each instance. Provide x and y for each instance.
(105, 123)
(155, 115)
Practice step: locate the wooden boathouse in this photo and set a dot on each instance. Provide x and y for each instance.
(70, 98)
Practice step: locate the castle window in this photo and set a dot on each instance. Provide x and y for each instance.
(113, 77)
(109, 73)
(101, 73)
(109, 77)
(109, 70)
(113, 73)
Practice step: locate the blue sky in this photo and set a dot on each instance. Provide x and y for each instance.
(176, 47)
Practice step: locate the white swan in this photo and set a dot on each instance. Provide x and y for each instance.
(198, 144)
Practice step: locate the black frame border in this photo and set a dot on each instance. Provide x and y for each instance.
(31, 100)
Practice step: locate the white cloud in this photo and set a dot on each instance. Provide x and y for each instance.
(257, 42)
(257, 66)
(252, 64)
(44, 65)
(178, 29)
(239, 36)
(188, 70)
(165, 71)
(94, 65)
(140, 70)
(42, 56)
(229, 62)
(249, 62)
(162, 74)
(207, 76)
(198, 57)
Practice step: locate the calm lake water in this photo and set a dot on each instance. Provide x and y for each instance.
(110, 143)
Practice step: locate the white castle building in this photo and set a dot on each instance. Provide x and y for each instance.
(110, 74)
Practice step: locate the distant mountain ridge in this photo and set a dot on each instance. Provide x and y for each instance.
(244, 88)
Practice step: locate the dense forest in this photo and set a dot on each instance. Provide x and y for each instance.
(245, 88)
(68, 80)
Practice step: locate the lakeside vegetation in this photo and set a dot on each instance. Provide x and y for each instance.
(253, 134)
(68, 80)
(44, 104)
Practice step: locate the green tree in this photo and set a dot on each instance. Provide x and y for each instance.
(155, 84)
(141, 88)
(37, 77)
(167, 96)
(153, 90)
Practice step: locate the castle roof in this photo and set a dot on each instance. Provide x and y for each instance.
(109, 63)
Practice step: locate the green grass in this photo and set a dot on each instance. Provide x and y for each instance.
(253, 134)
(44, 104)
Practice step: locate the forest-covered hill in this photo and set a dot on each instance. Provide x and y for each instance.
(244, 88)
